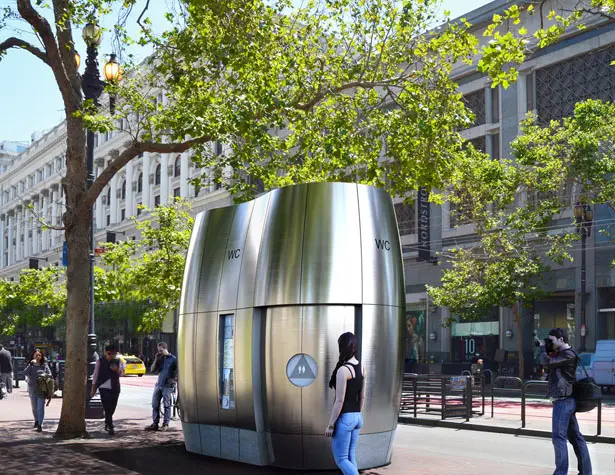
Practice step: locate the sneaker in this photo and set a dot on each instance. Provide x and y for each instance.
(165, 427)
(39, 428)
(35, 426)
(152, 427)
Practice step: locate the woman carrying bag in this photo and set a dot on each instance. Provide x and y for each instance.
(37, 367)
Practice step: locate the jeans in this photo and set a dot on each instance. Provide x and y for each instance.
(565, 427)
(109, 398)
(344, 444)
(165, 394)
(38, 405)
(7, 379)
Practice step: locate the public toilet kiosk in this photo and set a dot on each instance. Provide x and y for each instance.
(269, 286)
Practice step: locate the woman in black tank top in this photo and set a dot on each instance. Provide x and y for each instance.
(348, 380)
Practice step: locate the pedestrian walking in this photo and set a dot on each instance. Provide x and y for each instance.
(165, 365)
(561, 361)
(37, 368)
(6, 368)
(106, 380)
(348, 379)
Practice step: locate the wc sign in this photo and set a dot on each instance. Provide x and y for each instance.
(301, 370)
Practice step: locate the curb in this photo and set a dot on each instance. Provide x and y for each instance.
(495, 429)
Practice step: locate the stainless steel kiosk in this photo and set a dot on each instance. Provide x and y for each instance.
(269, 286)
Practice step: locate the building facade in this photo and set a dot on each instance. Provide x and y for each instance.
(550, 83)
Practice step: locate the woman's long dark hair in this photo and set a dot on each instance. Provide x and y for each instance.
(347, 343)
(43, 359)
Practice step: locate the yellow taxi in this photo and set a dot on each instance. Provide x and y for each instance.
(133, 365)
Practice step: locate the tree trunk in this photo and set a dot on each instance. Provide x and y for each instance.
(77, 233)
(518, 321)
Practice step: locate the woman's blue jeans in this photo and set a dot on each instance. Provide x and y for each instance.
(565, 427)
(344, 442)
(38, 405)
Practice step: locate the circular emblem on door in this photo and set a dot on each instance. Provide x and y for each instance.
(301, 370)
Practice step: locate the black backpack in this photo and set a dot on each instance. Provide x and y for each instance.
(585, 391)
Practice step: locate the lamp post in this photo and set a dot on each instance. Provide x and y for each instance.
(92, 89)
(584, 217)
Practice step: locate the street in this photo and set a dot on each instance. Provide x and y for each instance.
(417, 450)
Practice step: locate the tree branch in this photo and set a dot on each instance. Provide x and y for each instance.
(130, 152)
(18, 43)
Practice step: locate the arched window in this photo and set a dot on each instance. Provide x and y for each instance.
(140, 183)
(124, 190)
(157, 175)
(177, 169)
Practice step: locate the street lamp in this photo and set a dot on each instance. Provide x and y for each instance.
(584, 217)
(92, 89)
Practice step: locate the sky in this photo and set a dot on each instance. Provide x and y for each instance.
(29, 97)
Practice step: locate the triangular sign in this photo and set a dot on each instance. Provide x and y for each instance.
(302, 370)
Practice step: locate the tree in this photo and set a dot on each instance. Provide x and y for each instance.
(35, 299)
(299, 94)
(147, 274)
(514, 203)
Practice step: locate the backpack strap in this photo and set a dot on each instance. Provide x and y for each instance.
(580, 362)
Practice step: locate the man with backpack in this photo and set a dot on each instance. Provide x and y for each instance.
(561, 361)
(106, 379)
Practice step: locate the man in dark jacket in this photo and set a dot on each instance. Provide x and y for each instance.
(165, 365)
(561, 361)
(107, 380)
(6, 368)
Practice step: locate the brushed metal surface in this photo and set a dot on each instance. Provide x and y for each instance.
(233, 256)
(331, 263)
(192, 269)
(382, 354)
(247, 277)
(244, 397)
(216, 236)
(282, 341)
(322, 325)
(206, 364)
(279, 263)
(383, 273)
(186, 369)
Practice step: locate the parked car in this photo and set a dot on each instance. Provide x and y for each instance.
(133, 365)
(604, 364)
(587, 359)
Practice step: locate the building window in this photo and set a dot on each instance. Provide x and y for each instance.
(495, 104)
(177, 169)
(156, 201)
(108, 220)
(157, 175)
(406, 218)
(124, 190)
(560, 86)
(227, 361)
(140, 183)
(123, 214)
(495, 146)
(139, 209)
(177, 192)
(460, 212)
(479, 143)
(109, 196)
(475, 101)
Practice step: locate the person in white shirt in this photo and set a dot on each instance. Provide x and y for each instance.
(107, 380)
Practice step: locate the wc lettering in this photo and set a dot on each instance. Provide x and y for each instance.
(382, 244)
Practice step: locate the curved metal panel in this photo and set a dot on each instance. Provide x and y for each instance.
(186, 359)
(282, 342)
(233, 256)
(279, 264)
(205, 359)
(382, 353)
(192, 268)
(247, 277)
(331, 263)
(322, 325)
(216, 236)
(383, 273)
